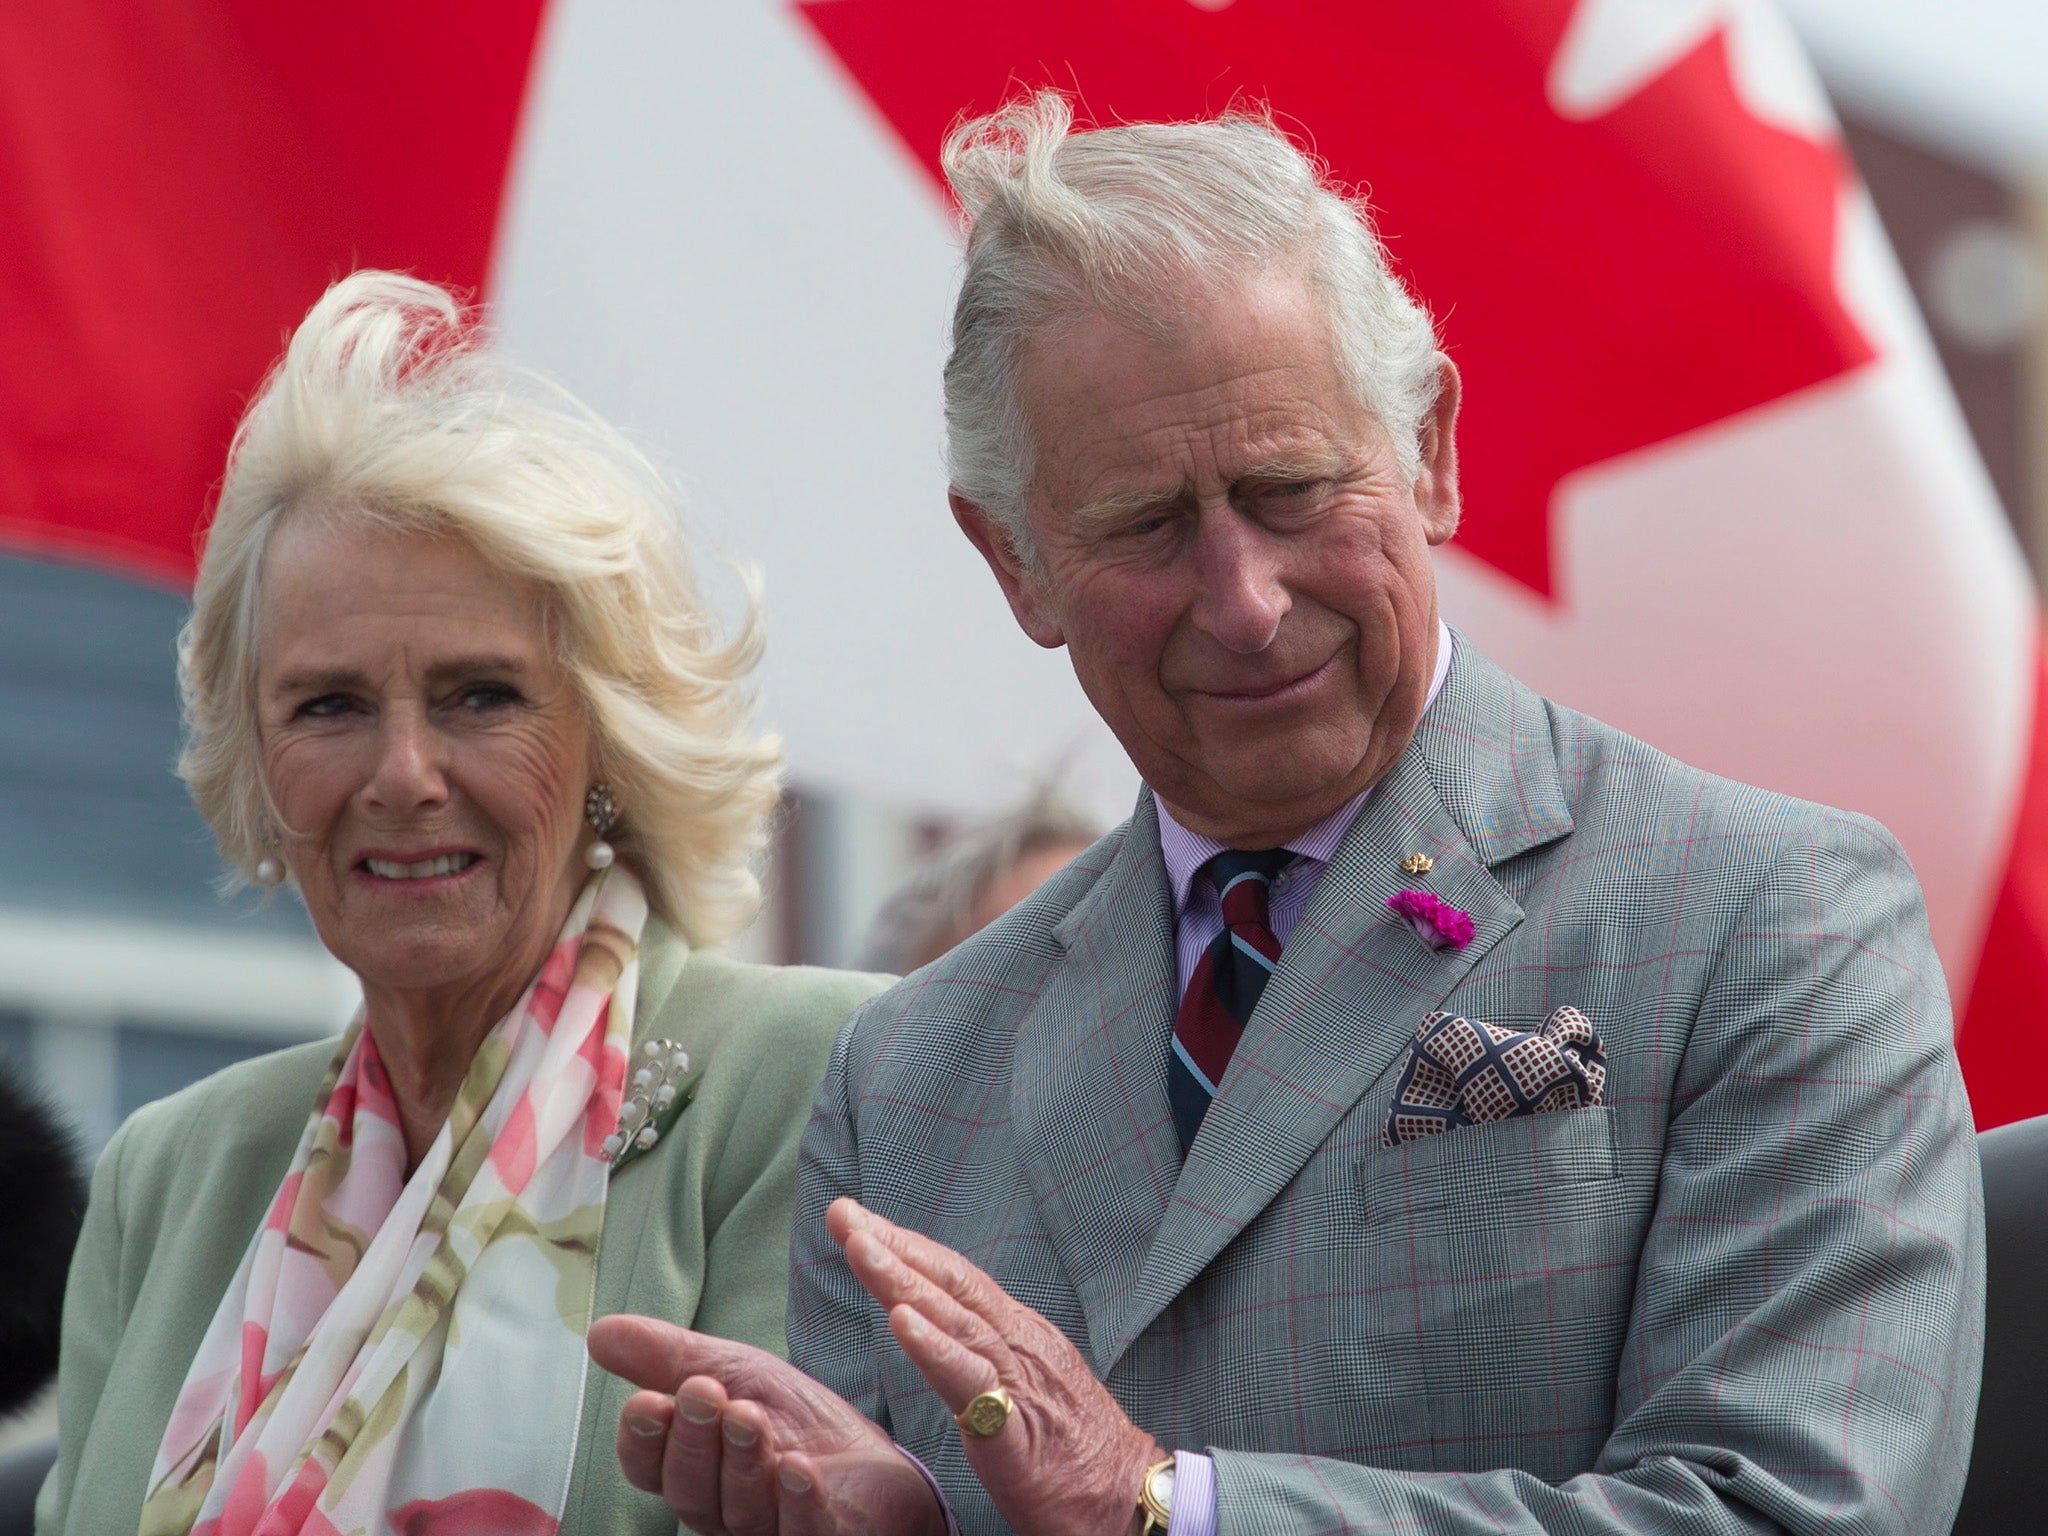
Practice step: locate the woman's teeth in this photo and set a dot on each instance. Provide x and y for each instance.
(426, 869)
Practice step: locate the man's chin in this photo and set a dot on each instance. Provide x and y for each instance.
(1268, 799)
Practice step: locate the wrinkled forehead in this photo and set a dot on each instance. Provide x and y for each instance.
(1158, 305)
(1245, 378)
(336, 577)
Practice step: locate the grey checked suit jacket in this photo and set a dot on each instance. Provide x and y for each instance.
(1744, 1295)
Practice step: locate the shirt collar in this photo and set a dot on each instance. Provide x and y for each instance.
(1185, 852)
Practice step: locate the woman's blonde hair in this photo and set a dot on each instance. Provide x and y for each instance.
(387, 410)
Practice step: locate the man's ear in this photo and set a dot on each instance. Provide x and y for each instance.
(1436, 482)
(1022, 586)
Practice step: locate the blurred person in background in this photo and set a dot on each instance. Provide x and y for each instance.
(1433, 1110)
(973, 879)
(449, 673)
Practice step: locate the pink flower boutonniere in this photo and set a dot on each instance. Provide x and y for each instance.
(1437, 923)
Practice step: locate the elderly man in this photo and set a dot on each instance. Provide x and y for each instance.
(1433, 1110)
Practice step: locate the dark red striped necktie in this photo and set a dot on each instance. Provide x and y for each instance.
(1226, 985)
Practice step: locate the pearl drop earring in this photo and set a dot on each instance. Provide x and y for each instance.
(270, 870)
(601, 810)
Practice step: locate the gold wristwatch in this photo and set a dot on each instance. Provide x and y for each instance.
(1155, 1497)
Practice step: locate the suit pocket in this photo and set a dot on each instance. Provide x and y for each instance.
(1481, 1163)
(1512, 1246)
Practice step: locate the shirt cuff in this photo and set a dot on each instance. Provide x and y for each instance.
(953, 1526)
(1194, 1494)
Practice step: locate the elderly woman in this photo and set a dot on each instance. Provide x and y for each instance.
(449, 674)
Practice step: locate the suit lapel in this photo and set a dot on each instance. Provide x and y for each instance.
(1088, 1094)
(1478, 786)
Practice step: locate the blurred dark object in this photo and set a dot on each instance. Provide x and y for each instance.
(973, 879)
(2008, 1484)
(1962, 237)
(22, 1471)
(42, 1201)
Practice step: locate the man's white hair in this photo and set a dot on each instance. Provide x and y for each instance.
(1129, 220)
(388, 412)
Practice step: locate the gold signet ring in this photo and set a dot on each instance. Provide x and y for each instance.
(987, 1414)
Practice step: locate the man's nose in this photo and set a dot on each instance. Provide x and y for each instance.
(1241, 595)
(410, 774)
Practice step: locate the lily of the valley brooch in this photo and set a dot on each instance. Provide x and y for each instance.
(658, 1092)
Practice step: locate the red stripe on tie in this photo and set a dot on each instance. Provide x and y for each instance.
(1227, 982)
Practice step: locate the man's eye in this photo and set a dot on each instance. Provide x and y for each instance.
(1145, 527)
(1289, 499)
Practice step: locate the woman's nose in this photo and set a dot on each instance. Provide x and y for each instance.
(410, 774)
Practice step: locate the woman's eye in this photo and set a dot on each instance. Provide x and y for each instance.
(324, 707)
(486, 696)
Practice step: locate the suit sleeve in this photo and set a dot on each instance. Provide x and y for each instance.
(831, 1332)
(1805, 1336)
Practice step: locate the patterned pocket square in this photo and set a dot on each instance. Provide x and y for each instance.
(1463, 1072)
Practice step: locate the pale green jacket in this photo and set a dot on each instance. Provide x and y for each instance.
(696, 1231)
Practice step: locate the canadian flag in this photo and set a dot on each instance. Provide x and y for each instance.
(1717, 491)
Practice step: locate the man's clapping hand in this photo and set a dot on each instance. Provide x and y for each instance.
(740, 1443)
(1069, 1461)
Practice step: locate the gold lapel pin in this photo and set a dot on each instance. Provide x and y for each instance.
(1418, 864)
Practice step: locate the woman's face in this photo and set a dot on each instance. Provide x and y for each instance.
(426, 755)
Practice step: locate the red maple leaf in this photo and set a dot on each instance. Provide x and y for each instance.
(180, 183)
(1604, 285)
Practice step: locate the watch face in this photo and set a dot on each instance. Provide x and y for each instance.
(1160, 1486)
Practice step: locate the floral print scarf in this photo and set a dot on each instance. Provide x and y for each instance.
(406, 1354)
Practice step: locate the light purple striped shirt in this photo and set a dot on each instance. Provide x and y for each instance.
(1198, 918)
